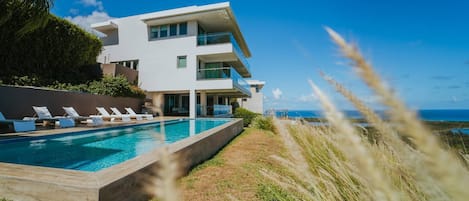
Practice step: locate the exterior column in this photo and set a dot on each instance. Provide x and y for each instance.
(192, 104)
(203, 103)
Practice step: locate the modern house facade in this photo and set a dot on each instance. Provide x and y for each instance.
(191, 61)
(256, 102)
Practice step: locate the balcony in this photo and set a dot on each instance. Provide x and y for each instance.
(225, 73)
(223, 38)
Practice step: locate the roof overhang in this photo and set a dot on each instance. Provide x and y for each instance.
(260, 84)
(104, 26)
(213, 17)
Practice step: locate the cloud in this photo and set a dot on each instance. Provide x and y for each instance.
(307, 98)
(94, 3)
(277, 93)
(442, 77)
(86, 21)
(74, 11)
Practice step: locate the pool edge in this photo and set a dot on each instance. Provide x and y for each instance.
(122, 182)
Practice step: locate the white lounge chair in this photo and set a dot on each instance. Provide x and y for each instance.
(18, 125)
(72, 113)
(45, 116)
(132, 113)
(116, 111)
(105, 115)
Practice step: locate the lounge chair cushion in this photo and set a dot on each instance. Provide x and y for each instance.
(42, 112)
(103, 111)
(132, 113)
(66, 122)
(2, 117)
(23, 126)
(71, 112)
(19, 125)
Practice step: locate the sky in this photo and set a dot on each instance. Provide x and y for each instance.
(420, 48)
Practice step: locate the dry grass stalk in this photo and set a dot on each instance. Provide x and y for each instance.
(166, 188)
(166, 174)
(445, 167)
(355, 149)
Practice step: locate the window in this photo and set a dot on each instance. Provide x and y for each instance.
(167, 30)
(183, 28)
(154, 32)
(182, 61)
(173, 29)
(257, 89)
(163, 31)
(133, 64)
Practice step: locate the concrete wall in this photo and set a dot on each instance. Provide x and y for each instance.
(188, 153)
(17, 102)
(117, 69)
(255, 103)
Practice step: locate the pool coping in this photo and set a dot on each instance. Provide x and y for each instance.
(94, 182)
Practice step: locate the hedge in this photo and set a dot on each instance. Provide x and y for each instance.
(59, 52)
(108, 85)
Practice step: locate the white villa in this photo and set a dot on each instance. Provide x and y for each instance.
(191, 61)
(256, 102)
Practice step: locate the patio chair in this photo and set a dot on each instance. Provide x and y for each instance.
(72, 113)
(132, 113)
(105, 115)
(18, 125)
(44, 116)
(115, 111)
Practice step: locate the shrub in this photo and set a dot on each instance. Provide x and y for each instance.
(24, 81)
(264, 123)
(111, 86)
(247, 115)
(59, 51)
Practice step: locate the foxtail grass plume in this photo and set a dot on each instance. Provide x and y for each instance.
(444, 166)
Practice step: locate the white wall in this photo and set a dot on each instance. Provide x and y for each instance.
(255, 103)
(158, 58)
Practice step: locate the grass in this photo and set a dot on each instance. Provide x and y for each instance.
(404, 160)
(233, 174)
(399, 158)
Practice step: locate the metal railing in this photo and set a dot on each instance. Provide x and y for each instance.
(220, 38)
(225, 73)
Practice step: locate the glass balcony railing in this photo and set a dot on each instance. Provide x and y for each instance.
(225, 73)
(220, 38)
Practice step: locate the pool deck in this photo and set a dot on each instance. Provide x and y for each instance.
(130, 180)
(52, 131)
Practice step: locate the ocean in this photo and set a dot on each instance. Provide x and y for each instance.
(426, 115)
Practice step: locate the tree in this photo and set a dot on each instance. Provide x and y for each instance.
(36, 13)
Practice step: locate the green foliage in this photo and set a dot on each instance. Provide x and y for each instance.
(60, 51)
(4, 199)
(264, 123)
(36, 11)
(24, 81)
(246, 115)
(270, 192)
(111, 86)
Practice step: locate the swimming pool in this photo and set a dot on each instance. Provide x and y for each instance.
(99, 149)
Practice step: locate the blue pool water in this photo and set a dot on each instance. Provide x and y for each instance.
(96, 150)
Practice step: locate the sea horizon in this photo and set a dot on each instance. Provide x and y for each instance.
(424, 114)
